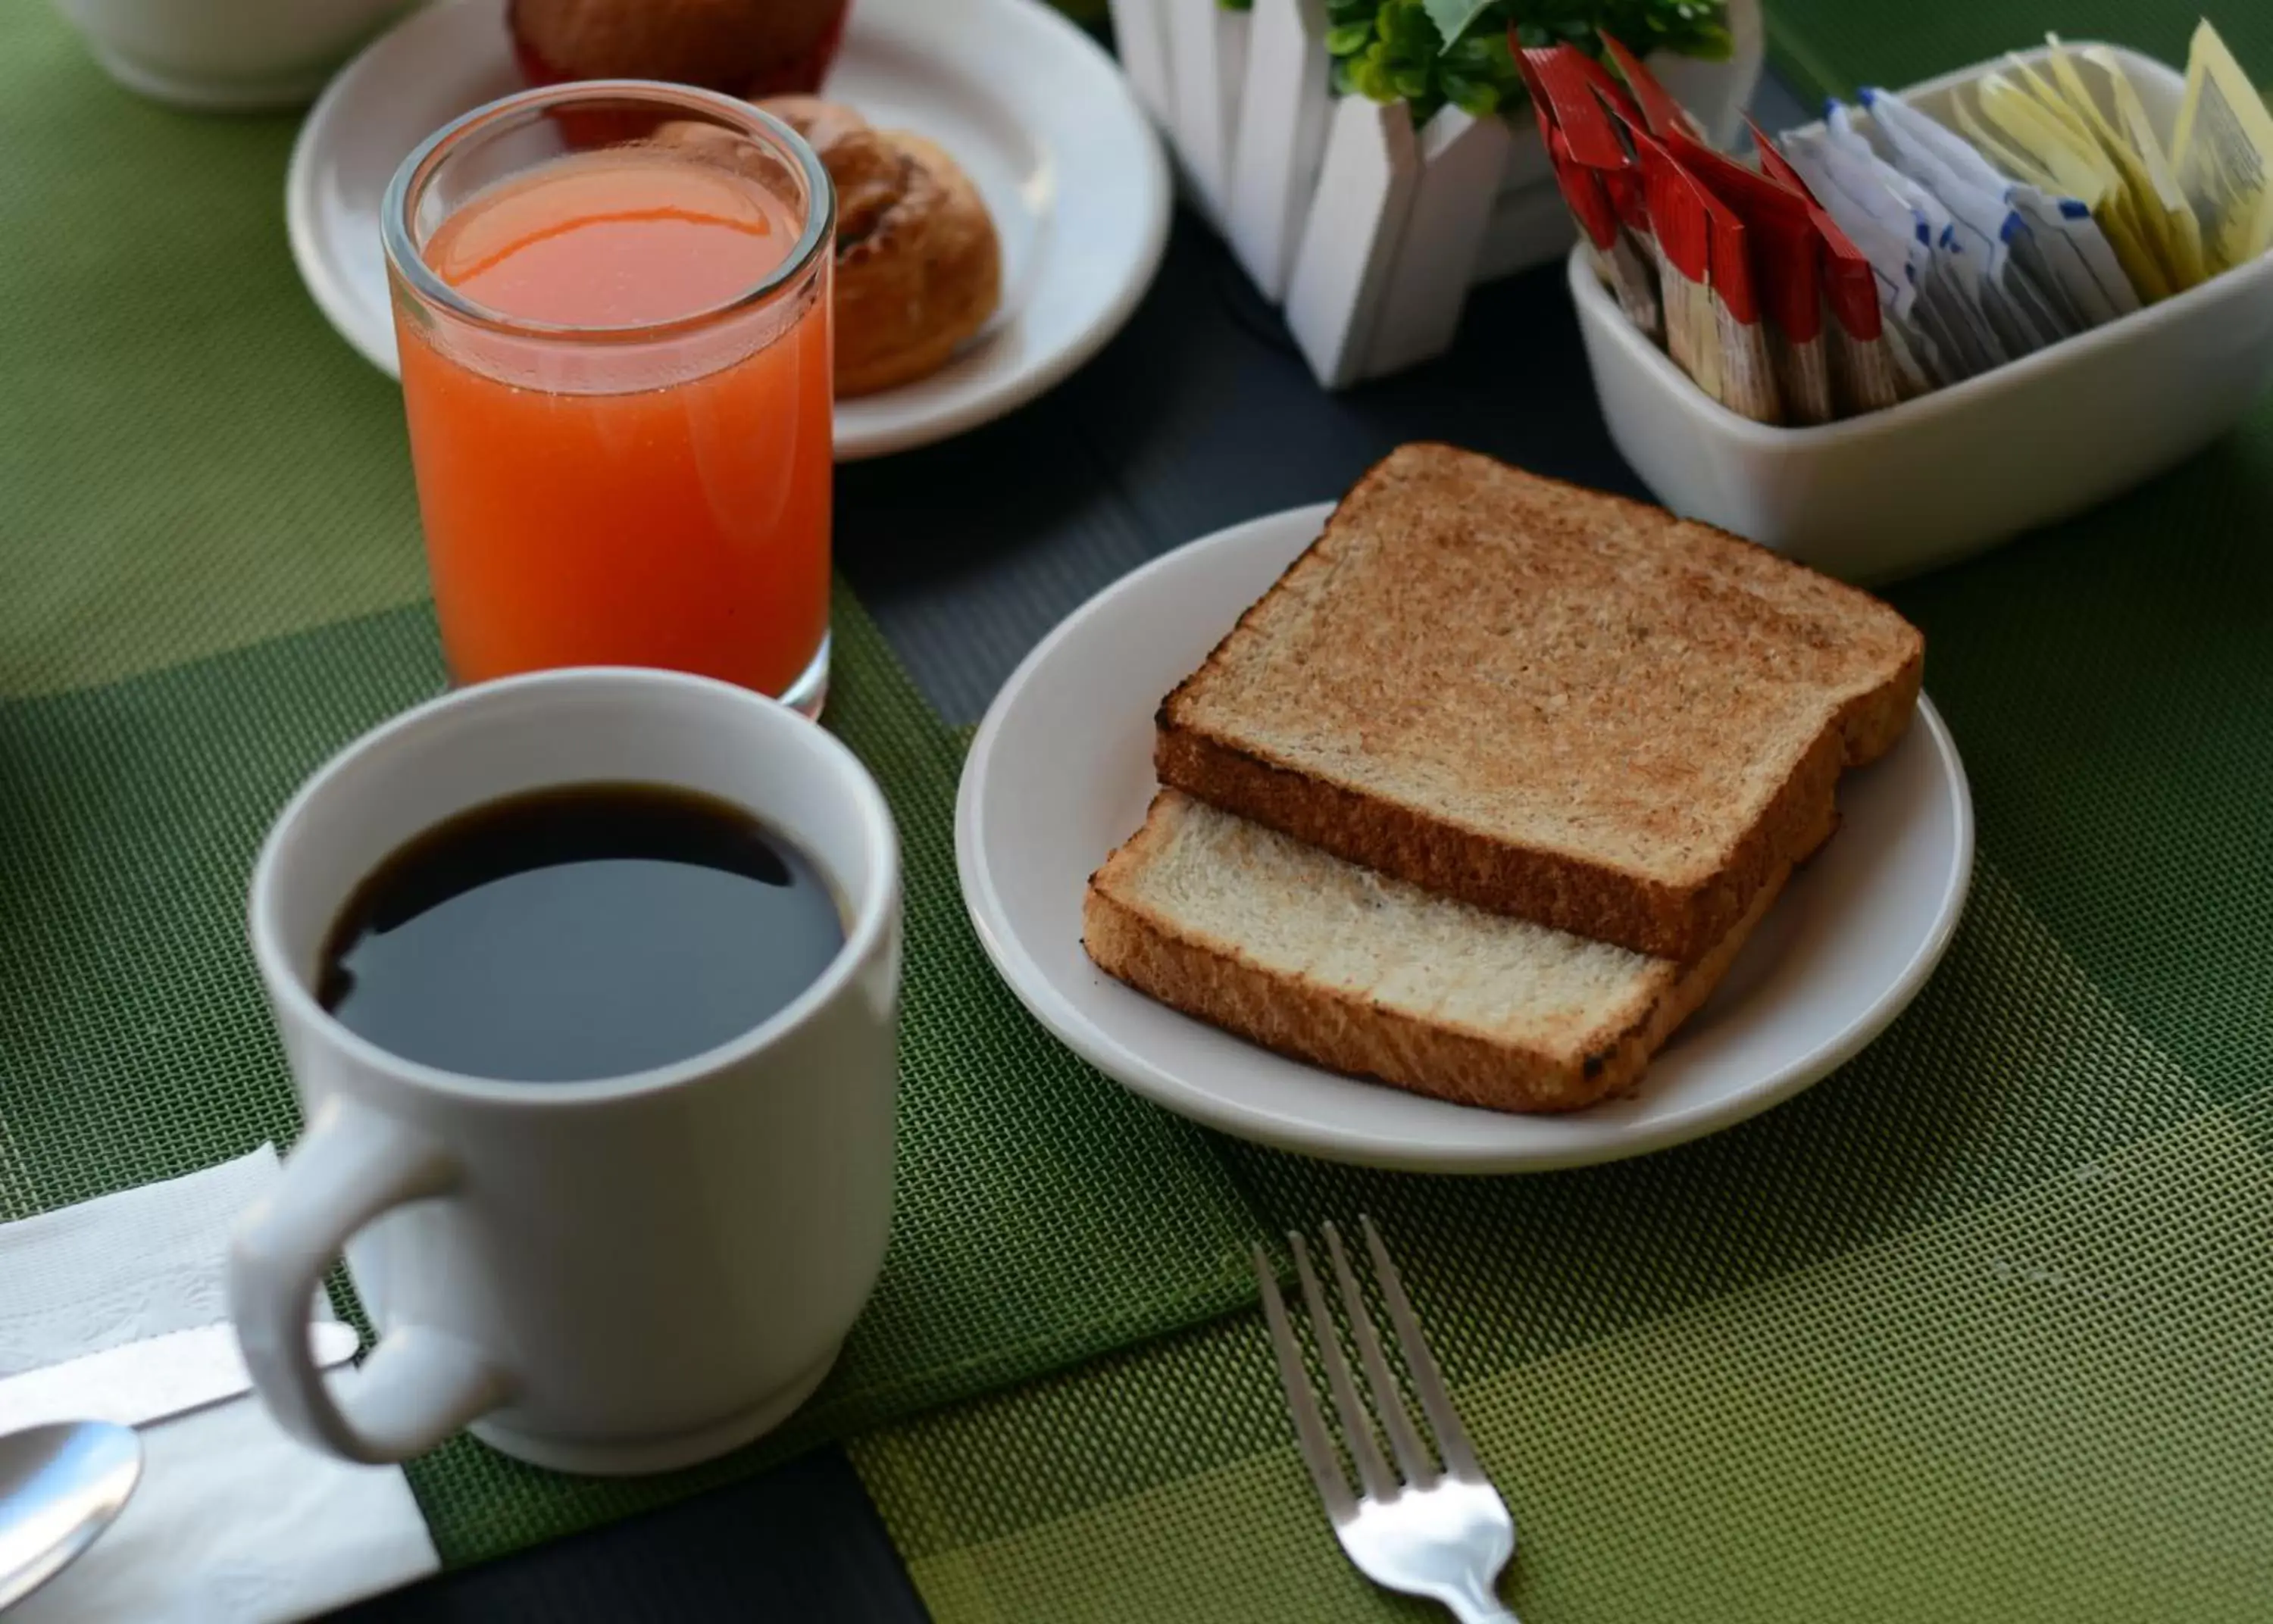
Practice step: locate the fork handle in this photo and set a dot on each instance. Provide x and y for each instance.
(1478, 1607)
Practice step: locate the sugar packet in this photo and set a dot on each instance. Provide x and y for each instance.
(1786, 263)
(1868, 370)
(2222, 151)
(1713, 317)
(2129, 140)
(1994, 329)
(2076, 248)
(1662, 115)
(2027, 111)
(1983, 202)
(1898, 241)
(1598, 178)
(1703, 243)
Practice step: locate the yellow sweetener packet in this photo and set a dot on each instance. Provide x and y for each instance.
(2186, 232)
(2136, 247)
(2222, 151)
(2071, 158)
(2016, 163)
(2057, 140)
(2153, 205)
(2049, 93)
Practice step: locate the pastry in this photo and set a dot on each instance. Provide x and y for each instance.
(919, 266)
(824, 124)
(743, 48)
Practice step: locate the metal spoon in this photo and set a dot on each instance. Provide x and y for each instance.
(60, 1486)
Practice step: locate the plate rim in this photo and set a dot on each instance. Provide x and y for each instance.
(1306, 1135)
(339, 305)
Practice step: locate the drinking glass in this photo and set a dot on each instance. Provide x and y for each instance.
(621, 458)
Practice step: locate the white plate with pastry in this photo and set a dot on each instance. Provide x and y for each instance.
(1319, 957)
(1028, 106)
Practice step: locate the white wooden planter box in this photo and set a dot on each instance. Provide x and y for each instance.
(1368, 232)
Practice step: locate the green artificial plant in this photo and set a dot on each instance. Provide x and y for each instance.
(1430, 53)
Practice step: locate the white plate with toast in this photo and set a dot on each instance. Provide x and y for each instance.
(1028, 105)
(1061, 773)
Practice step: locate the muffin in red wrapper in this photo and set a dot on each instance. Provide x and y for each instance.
(743, 48)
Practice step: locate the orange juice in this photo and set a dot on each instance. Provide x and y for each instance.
(623, 467)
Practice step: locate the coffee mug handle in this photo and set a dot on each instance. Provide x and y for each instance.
(419, 1385)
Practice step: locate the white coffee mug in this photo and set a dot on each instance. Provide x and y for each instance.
(625, 1275)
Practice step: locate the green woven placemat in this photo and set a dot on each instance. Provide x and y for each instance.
(210, 552)
(1977, 1329)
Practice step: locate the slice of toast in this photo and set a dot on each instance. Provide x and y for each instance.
(1336, 964)
(1547, 701)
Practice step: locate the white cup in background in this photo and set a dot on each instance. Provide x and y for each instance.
(226, 54)
(623, 1274)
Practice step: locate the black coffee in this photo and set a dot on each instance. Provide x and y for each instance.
(579, 932)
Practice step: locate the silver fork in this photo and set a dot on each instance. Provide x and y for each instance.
(1445, 1534)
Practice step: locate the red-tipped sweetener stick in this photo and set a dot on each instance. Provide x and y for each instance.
(1706, 271)
(1863, 376)
(1785, 257)
(1663, 116)
(1598, 181)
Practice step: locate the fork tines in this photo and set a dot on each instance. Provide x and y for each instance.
(1414, 1465)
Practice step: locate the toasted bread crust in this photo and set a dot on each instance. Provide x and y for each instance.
(1213, 980)
(1552, 888)
(1873, 723)
(1602, 899)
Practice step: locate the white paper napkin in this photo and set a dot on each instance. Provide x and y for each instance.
(234, 1520)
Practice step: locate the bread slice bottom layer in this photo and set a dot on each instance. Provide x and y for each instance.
(1347, 968)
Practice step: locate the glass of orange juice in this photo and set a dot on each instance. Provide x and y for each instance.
(611, 303)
